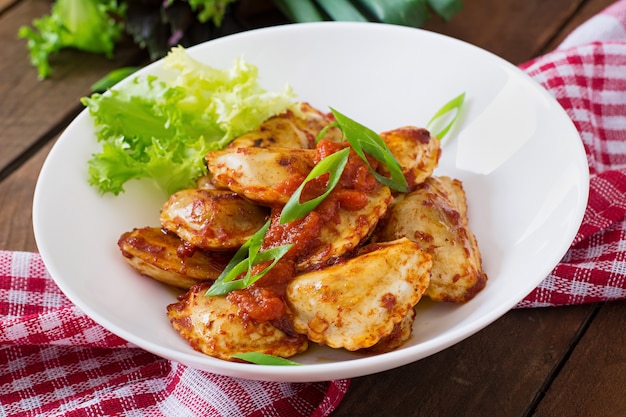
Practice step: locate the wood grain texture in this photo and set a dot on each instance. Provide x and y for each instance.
(31, 109)
(5, 4)
(513, 30)
(16, 204)
(497, 372)
(593, 381)
(587, 10)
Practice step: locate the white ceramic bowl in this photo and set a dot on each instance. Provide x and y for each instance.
(519, 157)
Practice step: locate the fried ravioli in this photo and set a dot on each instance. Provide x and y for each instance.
(435, 216)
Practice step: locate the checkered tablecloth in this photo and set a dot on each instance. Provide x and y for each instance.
(587, 75)
(55, 361)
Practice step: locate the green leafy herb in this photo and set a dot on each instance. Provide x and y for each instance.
(342, 10)
(364, 140)
(158, 25)
(300, 10)
(87, 25)
(228, 283)
(333, 164)
(150, 128)
(206, 10)
(443, 116)
(446, 8)
(243, 262)
(112, 78)
(412, 13)
(264, 359)
(320, 135)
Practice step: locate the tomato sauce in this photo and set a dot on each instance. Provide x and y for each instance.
(265, 299)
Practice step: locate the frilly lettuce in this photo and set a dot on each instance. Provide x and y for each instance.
(161, 129)
(212, 10)
(87, 25)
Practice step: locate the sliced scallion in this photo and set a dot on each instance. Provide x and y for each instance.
(449, 112)
(325, 129)
(247, 257)
(365, 140)
(333, 164)
(112, 78)
(264, 359)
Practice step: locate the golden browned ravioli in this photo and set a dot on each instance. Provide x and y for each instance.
(435, 216)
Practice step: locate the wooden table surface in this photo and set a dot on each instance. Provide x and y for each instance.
(566, 361)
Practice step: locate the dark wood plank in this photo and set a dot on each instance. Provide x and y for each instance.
(593, 381)
(16, 203)
(516, 31)
(497, 372)
(513, 30)
(5, 4)
(586, 11)
(31, 108)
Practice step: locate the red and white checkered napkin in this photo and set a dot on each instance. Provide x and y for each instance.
(587, 75)
(55, 361)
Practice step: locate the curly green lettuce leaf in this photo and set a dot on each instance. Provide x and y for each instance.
(152, 128)
(213, 10)
(87, 25)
